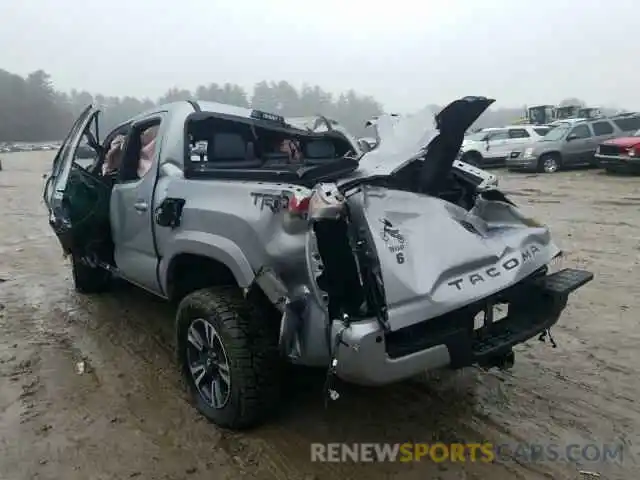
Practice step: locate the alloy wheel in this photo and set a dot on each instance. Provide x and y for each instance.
(208, 363)
(550, 165)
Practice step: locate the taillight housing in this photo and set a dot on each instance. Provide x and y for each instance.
(299, 203)
(326, 202)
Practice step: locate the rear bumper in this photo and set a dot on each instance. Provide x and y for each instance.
(618, 162)
(372, 357)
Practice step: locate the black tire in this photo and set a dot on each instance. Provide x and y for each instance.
(549, 163)
(472, 158)
(248, 345)
(88, 279)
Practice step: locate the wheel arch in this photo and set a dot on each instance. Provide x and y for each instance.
(557, 153)
(472, 157)
(199, 260)
(472, 152)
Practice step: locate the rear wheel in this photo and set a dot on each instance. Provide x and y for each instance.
(229, 357)
(87, 278)
(549, 163)
(472, 158)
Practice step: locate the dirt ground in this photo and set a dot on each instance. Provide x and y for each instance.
(89, 389)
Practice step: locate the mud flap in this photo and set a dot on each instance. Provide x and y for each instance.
(292, 308)
(290, 342)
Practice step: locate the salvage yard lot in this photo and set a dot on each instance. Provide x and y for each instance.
(89, 388)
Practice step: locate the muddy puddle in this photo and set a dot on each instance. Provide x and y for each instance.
(89, 387)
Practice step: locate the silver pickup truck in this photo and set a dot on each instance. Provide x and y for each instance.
(377, 265)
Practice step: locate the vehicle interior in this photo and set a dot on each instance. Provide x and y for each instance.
(219, 146)
(214, 145)
(234, 144)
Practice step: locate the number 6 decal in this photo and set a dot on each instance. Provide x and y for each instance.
(400, 257)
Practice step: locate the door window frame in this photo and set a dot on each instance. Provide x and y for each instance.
(63, 162)
(127, 173)
(64, 148)
(571, 132)
(122, 129)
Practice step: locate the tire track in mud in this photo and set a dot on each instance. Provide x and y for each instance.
(104, 383)
(130, 403)
(288, 453)
(284, 447)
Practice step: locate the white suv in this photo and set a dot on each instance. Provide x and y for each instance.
(490, 147)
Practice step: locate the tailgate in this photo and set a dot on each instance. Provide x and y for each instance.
(436, 257)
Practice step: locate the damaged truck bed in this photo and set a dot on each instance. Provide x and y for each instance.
(377, 265)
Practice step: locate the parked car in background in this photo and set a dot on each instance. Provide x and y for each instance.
(490, 147)
(567, 120)
(571, 144)
(620, 155)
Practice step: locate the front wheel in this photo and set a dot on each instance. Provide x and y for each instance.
(549, 163)
(229, 357)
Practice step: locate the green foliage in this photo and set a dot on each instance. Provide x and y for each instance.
(32, 110)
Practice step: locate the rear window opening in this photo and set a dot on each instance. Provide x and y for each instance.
(214, 143)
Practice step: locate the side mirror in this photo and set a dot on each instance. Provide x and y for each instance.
(571, 136)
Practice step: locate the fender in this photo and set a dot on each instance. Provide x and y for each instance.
(208, 245)
(550, 152)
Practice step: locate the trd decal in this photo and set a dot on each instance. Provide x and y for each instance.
(273, 201)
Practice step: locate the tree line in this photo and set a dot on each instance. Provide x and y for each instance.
(32, 110)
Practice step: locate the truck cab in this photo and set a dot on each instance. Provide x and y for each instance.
(540, 114)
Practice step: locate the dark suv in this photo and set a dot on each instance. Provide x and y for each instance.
(571, 143)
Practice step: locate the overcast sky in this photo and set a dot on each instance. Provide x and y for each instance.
(406, 53)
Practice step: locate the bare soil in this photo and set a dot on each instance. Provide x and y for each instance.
(89, 388)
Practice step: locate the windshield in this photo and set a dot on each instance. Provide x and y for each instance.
(637, 134)
(557, 133)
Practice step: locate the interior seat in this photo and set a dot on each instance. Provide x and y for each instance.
(319, 151)
(276, 160)
(231, 150)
